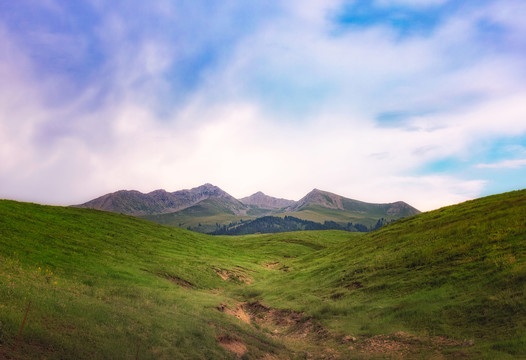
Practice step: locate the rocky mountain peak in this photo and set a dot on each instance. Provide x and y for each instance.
(263, 201)
(321, 198)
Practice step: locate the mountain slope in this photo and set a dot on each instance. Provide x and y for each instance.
(205, 215)
(336, 202)
(322, 206)
(263, 201)
(157, 202)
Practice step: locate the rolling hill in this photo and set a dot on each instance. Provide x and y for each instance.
(445, 284)
(207, 208)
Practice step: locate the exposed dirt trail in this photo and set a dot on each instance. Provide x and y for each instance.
(305, 337)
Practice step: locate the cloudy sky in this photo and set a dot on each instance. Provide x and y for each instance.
(377, 100)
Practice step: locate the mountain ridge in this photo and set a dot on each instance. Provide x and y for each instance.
(266, 202)
(337, 202)
(136, 203)
(207, 207)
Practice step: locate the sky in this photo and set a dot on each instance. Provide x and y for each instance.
(422, 101)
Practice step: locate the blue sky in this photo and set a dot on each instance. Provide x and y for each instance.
(380, 100)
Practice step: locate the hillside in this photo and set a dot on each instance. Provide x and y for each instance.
(445, 284)
(204, 216)
(459, 271)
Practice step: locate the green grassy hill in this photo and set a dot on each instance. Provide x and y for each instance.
(444, 284)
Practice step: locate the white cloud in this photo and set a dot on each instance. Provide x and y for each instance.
(228, 133)
(505, 164)
(423, 192)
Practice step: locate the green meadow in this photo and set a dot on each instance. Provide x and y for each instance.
(445, 284)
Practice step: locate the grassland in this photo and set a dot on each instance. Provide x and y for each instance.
(445, 284)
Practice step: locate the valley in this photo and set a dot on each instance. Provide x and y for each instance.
(445, 284)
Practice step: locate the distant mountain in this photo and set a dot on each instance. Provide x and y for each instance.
(266, 202)
(209, 209)
(216, 205)
(319, 198)
(160, 201)
(319, 210)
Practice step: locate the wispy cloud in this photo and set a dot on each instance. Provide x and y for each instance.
(410, 3)
(505, 164)
(278, 97)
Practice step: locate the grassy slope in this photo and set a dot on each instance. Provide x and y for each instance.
(459, 271)
(202, 217)
(102, 283)
(321, 214)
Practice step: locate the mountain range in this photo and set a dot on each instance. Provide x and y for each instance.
(207, 208)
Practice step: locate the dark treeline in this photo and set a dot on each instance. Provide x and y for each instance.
(273, 224)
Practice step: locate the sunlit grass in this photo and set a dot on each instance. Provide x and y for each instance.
(104, 285)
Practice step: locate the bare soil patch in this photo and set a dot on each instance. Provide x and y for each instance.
(232, 344)
(273, 265)
(286, 322)
(276, 266)
(305, 334)
(402, 345)
(234, 275)
(223, 274)
(238, 312)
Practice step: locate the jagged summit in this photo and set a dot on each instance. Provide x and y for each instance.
(207, 207)
(322, 198)
(133, 202)
(263, 201)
